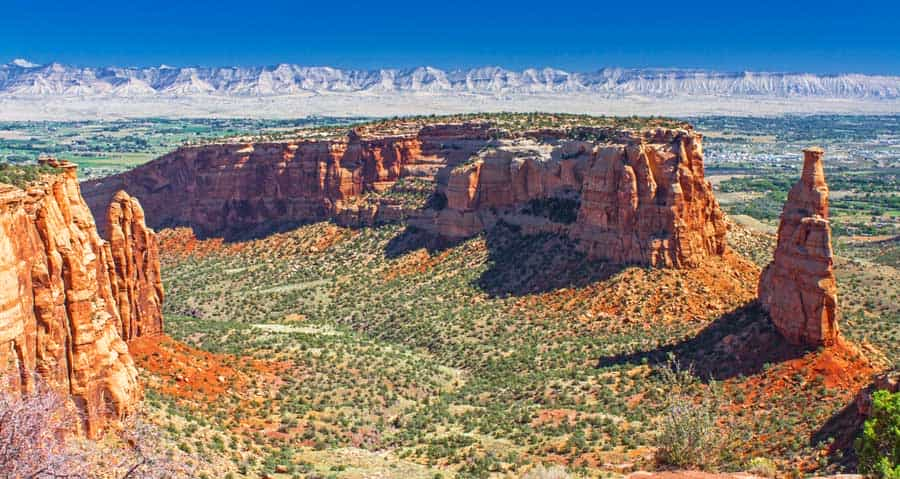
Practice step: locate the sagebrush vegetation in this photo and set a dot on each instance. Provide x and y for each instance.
(485, 356)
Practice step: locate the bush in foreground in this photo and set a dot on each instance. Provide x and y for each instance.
(541, 472)
(38, 440)
(33, 430)
(689, 436)
(689, 433)
(879, 445)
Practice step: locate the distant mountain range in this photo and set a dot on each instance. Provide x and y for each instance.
(23, 79)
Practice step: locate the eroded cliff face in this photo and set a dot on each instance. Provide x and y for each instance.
(643, 197)
(59, 315)
(798, 287)
(239, 189)
(134, 268)
(635, 197)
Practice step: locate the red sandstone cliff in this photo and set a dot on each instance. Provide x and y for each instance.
(643, 199)
(643, 196)
(134, 268)
(234, 189)
(798, 287)
(59, 313)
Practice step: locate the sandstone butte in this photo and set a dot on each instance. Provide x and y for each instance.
(68, 298)
(640, 196)
(798, 287)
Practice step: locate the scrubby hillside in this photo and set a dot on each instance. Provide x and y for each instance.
(383, 348)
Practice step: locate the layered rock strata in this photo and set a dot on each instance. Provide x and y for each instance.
(644, 200)
(638, 196)
(235, 189)
(798, 287)
(59, 309)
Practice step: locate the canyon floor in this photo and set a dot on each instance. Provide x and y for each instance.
(377, 352)
(359, 351)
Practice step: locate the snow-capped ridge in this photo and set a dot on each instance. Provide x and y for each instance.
(22, 78)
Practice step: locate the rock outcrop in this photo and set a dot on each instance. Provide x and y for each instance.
(134, 268)
(59, 309)
(643, 197)
(626, 196)
(888, 381)
(798, 287)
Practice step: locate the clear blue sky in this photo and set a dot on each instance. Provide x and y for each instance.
(821, 37)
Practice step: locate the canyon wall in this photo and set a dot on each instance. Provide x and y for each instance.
(59, 310)
(232, 190)
(638, 196)
(643, 197)
(798, 287)
(649, 203)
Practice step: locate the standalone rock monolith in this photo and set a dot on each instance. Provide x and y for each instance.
(798, 288)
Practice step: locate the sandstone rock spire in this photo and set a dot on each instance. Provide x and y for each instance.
(134, 269)
(798, 287)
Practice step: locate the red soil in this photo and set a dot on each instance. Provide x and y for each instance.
(659, 295)
(179, 370)
(554, 417)
(180, 243)
(415, 263)
(839, 367)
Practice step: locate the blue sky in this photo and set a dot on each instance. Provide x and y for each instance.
(821, 37)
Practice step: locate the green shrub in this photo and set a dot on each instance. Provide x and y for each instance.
(541, 472)
(22, 175)
(879, 446)
(689, 436)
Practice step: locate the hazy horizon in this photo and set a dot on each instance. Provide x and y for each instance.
(586, 69)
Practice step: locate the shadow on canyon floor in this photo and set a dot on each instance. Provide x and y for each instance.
(839, 434)
(739, 343)
(412, 239)
(518, 264)
(238, 234)
(744, 343)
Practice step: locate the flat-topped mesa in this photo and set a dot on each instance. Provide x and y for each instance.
(625, 195)
(58, 316)
(798, 287)
(134, 269)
